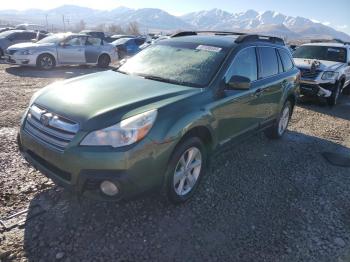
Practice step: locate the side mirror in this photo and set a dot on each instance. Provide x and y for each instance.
(239, 83)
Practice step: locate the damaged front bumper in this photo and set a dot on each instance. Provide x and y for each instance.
(314, 88)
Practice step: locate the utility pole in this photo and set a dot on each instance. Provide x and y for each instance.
(64, 25)
(47, 23)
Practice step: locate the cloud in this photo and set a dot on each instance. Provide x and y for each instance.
(326, 23)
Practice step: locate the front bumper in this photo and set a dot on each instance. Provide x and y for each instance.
(81, 169)
(317, 89)
(20, 59)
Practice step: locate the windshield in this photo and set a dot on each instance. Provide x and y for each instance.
(328, 53)
(177, 62)
(54, 39)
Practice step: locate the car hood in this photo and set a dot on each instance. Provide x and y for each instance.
(30, 45)
(323, 66)
(103, 99)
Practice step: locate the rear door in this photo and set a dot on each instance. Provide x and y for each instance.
(93, 49)
(271, 84)
(72, 51)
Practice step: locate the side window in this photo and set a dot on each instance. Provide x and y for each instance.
(13, 37)
(244, 64)
(280, 66)
(76, 41)
(286, 60)
(269, 62)
(94, 41)
(139, 41)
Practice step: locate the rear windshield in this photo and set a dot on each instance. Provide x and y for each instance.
(328, 53)
(182, 63)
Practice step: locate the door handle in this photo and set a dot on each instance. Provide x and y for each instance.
(258, 92)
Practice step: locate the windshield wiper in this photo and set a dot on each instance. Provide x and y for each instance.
(167, 80)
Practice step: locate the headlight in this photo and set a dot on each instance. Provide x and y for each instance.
(329, 75)
(126, 132)
(25, 52)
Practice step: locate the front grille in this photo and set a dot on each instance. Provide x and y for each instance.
(58, 172)
(310, 74)
(52, 130)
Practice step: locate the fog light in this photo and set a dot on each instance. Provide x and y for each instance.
(109, 188)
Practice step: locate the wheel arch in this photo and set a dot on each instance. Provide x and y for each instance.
(47, 53)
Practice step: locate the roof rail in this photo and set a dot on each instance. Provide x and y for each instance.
(188, 33)
(243, 37)
(263, 38)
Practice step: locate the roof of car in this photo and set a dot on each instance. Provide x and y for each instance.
(225, 41)
(330, 44)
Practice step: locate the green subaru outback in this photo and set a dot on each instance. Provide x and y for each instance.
(153, 122)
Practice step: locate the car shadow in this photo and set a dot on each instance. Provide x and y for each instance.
(261, 199)
(58, 72)
(341, 110)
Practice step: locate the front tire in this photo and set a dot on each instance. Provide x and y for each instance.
(186, 168)
(280, 126)
(103, 61)
(46, 62)
(333, 99)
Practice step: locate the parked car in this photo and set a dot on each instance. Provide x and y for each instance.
(128, 46)
(33, 27)
(153, 122)
(97, 34)
(113, 38)
(325, 69)
(63, 49)
(12, 37)
(3, 29)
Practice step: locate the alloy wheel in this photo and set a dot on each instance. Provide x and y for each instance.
(187, 171)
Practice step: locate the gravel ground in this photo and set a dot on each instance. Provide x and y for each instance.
(262, 201)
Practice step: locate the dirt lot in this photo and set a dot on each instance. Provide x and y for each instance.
(262, 201)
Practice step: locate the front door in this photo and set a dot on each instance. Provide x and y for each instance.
(72, 50)
(237, 111)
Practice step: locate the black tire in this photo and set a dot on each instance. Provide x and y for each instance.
(46, 62)
(333, 99)
(103, 61)
(1, 53)
(169, 185)
(275, 132)
(346, 90)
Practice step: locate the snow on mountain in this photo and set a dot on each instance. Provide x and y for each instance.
(268, 22)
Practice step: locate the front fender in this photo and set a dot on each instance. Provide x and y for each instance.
(186, 122)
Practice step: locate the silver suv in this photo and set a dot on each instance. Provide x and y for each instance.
(325, 69)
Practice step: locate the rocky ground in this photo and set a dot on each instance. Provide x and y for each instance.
(262, 200)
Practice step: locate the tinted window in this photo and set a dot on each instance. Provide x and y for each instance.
(280, 66)
(328, 53)
(269, 63)
(244, 64)
(139, 41)
(286, 60)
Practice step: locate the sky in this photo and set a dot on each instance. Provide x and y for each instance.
(335, 13)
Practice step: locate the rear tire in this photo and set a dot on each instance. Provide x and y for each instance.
(333, 99)
(280, 126)
(186, 168)
(46, 62)
(103, 61)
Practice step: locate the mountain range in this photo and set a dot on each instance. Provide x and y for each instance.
(153, 20)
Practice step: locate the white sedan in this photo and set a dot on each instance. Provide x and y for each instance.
(63, 49)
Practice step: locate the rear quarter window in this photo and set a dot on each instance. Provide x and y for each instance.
(286, 60)
(268, 62)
